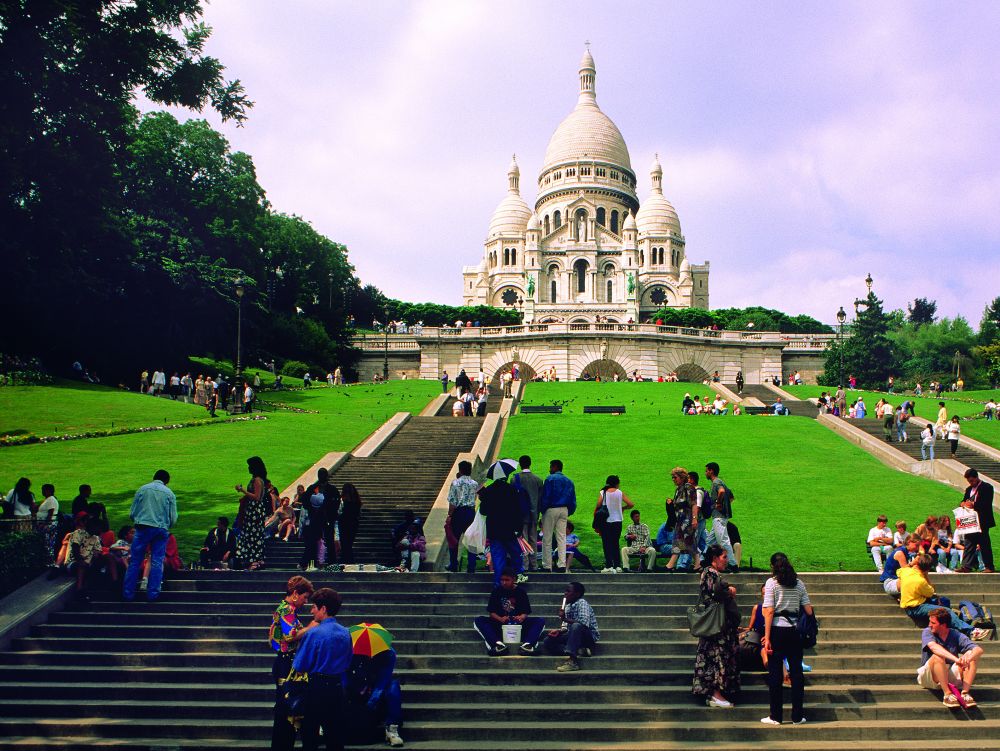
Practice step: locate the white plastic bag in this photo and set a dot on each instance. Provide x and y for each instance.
(474, 537)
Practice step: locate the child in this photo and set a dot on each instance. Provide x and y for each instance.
(927, 442)
(573, 549)
(412, 547)
(946, 547)
(880, 541)
(899, 537)
(927, 532)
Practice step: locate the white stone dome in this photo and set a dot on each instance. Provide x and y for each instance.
(511, 215)
(587, 133)
(629, 220)
(656, 215)
(533, 222)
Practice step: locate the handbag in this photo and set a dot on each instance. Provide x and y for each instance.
(601, 515)
(706, 620)
(294, 691)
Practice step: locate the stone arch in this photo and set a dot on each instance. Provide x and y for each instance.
(658, 295)
(545, 224)
(689, 371)
(498, 296)
(580, 224)
(601, 215)
(580, 269)
(614, 221)
(605, 368)
(527, 373)
(557, 219)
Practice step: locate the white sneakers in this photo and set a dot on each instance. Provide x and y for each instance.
(768, 721)
(392, 735)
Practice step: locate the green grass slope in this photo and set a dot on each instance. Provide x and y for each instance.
(206, 462)
(799, 488)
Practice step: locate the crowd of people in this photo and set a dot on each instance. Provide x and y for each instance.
(204, 391)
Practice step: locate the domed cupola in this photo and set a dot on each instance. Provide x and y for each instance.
(656, 216)
(512, 213)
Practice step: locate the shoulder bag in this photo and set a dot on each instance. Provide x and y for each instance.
(706, 620)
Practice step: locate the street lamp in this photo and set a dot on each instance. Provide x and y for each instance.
(331, 291)
(841, 317)
(385, 360)
(240, 291)
(868, 281)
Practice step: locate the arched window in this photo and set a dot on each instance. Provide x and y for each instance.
(611, 287)
(660, 258)
(580, 269)
(580, 225)
(614, 221)
(506, 256)
(513, 256)
(546, 224)
(601, 216)
(552, 291)
(557, 220)
(642, 258)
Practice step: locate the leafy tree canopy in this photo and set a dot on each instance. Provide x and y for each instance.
(922, 311)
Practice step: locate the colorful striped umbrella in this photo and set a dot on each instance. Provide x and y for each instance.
(370, 639)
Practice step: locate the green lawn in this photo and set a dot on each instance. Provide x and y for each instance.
(926, 407)
(985, 431)
(210, 366)
(799, 488)
(74, 407)
(206, 462)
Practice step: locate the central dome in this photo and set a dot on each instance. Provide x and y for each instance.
(587, 133)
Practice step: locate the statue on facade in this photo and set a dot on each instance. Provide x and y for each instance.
(531, 286)
(631, 283)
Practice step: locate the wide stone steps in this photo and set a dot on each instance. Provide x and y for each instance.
(193, 670)
(796, 407)
(942, 449)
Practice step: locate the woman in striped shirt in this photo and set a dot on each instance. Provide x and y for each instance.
(785, 598)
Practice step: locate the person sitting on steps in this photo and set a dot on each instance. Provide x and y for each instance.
(917, 598)
(508, 605)
(880, 541)
(949, 657)
(899, 559)
(578, 634)
(220, 545)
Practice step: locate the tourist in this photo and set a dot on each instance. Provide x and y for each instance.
(20, 501)
(785, 599)
(946, 546)
(852, 383)
(779, 407)
(508, 605)
(338, 376)
(529, 488)
(312, 520)
(860, 410)
(573, 549)
(716, 672)
(880, 541)
(940, 426)
(953, 431)
(613, 499)
(412, 546)
(899, 536)
(220, 545)
(251, 515)
(461, 512)
(482, 397)
(47, 518)
(507, 378)
(374, 697)
(399, 531)
(329, 379)
(279, 518)
(900, 559)
(578, 634)
(154, 512)
(324, 653)
(989, 409)
(979, 499)
(557, 504)
(85, 556)
(686, 527)
(144, 382)
(350, 520)
(481, 379)
(901, 418)
(947, 657)
(687, 406)
(331, 513)
(840, 402)
(458, 408)
(739, 382)
(462, 382)
(719, 512)
(927, 442)
(499, 504)
(639, 543)
(918, 390)
(444, 382)
(248, 398)
(468, 399)
(159, 382)
(285, 633)
(719, 406)
(307, 380)
(917, 597)
(172, 562)
(175, 386)
(82, 500)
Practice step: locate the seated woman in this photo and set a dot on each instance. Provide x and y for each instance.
(927, 532)
(279, 520)
(946, 548)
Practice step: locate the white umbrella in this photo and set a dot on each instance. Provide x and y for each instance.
(502, 468)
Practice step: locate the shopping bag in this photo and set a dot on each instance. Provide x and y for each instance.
(474, 538)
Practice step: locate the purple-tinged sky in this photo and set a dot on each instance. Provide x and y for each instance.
(803, 145)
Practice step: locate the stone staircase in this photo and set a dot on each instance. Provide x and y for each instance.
(942, 449)
(406, 473)
(192, 670)
(796, 407)
(492, 404)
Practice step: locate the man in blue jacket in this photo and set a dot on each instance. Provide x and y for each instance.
(557, 504)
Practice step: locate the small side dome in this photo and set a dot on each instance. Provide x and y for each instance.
(511, 216)
(656, 216)
(685, 266)
(533, 222)
(629, 221)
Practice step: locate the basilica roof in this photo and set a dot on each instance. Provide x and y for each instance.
(587, 133)
(656, 216)
(511, 215)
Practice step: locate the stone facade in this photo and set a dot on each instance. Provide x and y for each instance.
(588, 249)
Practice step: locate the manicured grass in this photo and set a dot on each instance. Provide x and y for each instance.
(926, 407)
(986, 431)
(75, 407)
(799, 487)
(206, 462)
(209, 366)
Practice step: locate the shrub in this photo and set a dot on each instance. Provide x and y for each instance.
(22, 558)
(294, 368)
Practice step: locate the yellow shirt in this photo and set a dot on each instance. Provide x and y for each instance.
(942, 416)
(914, 589)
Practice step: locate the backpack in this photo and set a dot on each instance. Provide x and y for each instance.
(808, 628)
(978, 616)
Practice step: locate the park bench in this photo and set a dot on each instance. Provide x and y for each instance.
(604, 410)
(756, 410)
(541, 409)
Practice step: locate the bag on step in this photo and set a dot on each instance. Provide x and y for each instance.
(474, 537)
(978, 616)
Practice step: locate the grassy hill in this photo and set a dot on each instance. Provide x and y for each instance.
(799, 488)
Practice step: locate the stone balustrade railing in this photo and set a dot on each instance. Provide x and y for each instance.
(412, 340)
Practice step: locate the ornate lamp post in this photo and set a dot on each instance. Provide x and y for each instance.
(385, 359)
(841, 317)
(240, 291)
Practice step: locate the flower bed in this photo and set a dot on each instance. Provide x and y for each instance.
(21, 440)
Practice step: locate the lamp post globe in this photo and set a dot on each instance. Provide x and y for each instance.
(240, 291)
(841, 317)
(385, 359)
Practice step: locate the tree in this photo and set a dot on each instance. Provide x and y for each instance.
(928, 351)
(867, 351)
(989, 357)
(922, 311)
(989, 327)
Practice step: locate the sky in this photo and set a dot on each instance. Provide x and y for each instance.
(804, 145)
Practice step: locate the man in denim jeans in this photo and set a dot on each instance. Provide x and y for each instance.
(154, 512)
(722, 510)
